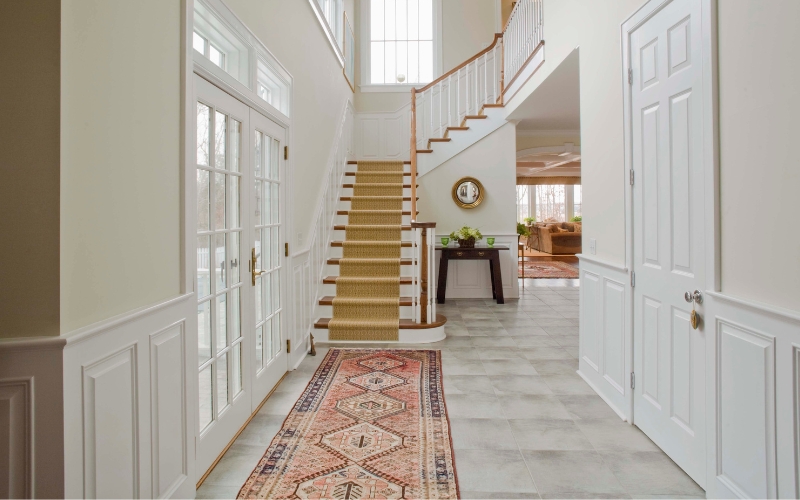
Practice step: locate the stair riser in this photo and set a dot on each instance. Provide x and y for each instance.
(333, 270)
(337, 253)
(346, 205)
(404, 235)
(327, 312)
(330, 290)
(343, 219)
(346, 191)
(354, 168)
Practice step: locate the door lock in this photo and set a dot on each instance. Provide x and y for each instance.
(694, 298)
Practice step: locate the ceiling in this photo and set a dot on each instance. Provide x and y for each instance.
(549, 161)
(555, 104)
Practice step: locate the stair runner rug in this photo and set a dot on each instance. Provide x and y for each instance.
(367, 301)
(548, 269)
(372, 423)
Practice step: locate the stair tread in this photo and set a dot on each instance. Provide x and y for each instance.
(328, 301)
(346, 212)
(440, 139)
(338, 244)
(457, 128)
(403, 262)
(331, 280)
(350, 198)
(351, 185)
(405, 324)
(341, 227)
(493, 105)
(355, 162)
(476, 117)
(424, 151)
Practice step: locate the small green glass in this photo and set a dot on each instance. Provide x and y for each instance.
(445, 241)
(490, 241)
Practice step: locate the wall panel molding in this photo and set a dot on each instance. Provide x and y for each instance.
(383, 136)
(16, 438)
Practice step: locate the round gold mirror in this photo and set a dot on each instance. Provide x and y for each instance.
(468, 192)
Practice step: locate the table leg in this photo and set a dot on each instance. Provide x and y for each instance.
(442, 288)
(491, 277)
(498, 278)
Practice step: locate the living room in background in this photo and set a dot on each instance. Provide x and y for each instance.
(401, 43)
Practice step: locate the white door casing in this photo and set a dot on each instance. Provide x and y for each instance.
(669, 223)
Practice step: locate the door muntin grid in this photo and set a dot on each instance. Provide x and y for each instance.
(267, 230)
(219, 257)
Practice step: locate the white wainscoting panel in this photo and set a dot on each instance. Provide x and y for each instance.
(753, 449)
(31, 418)
(383, 136)
(470, 279)
(16, 438)
(605, 336)
(129, 419)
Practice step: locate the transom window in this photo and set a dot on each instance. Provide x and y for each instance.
(205, 47)
(401, 46)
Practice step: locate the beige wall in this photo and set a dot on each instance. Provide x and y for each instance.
(492, 161)
(759, 176)
(120, 157)
(29, 162)
(290, 30)
(595, 28)
(467, 27)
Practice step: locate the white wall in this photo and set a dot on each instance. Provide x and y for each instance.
(759, 178)
(291, 31)
(492, 161)
(120, 157)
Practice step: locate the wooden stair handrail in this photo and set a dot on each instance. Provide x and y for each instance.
(497, 36)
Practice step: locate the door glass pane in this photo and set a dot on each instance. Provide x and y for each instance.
(259, 305)
(219, 260)
(220, 137)
(259, 346)
(219, 200)
(266, 262)
(275, 200)
(204, 384)
(276, 253)
(236, 321)
(276, 334)
(203, 201)
(204, 332)
(233, 253)
(257, 245)
(276, 295)
(258, 154)
(222, 322)
(267, 204)
(236, 382)
(234, 198)
(275, 159)
(268, 341)
(203, 266)
(267, 279)
(222, 383)
(257, 210)
(203, 121)
(236, 145)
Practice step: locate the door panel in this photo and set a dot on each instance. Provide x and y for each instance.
(668, 229)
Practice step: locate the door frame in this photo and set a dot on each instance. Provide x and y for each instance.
(710, 94)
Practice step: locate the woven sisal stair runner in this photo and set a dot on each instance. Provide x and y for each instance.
(367, 302)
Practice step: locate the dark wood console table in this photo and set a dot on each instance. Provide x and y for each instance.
(477, 253)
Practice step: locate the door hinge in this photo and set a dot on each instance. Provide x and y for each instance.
(286, 152)
(633, 278)
(633, 380)
(631, 176)
(630, 76)
(286, 249)
(288, 346)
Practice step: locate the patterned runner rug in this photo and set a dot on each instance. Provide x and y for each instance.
(372, 423)
(548, 269)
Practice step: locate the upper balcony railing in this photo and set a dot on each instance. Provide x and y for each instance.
(521, 36)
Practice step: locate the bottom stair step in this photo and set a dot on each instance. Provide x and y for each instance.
(331, 280)
(405, 324)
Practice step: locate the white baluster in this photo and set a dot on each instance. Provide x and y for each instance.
(477, 106)
(458, 97)
(449, 100)
(494, 74)
(486, 78)
(430, 108)
(439, 128)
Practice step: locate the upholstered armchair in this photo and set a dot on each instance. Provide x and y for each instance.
(562, 238)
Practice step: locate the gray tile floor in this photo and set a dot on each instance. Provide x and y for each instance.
(524, 424)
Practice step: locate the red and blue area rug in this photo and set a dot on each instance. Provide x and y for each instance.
(372, 423)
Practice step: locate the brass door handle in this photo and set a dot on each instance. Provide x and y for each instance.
(253, 261)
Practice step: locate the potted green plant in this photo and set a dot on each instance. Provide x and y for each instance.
(522, 230)
(577, 218)
(466, 236)
(529, 220)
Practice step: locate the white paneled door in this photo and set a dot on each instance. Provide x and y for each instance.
(238, 267)
(668, 232)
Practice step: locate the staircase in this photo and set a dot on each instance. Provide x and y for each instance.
(364, 299)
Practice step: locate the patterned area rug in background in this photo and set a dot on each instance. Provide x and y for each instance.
(548, 269)
(372, 423)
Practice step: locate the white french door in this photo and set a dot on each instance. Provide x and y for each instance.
(668, 232)
(233, 375)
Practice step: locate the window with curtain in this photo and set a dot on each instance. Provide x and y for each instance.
(577, 201)
(523, 203)
(401, 41)
(551, 202)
